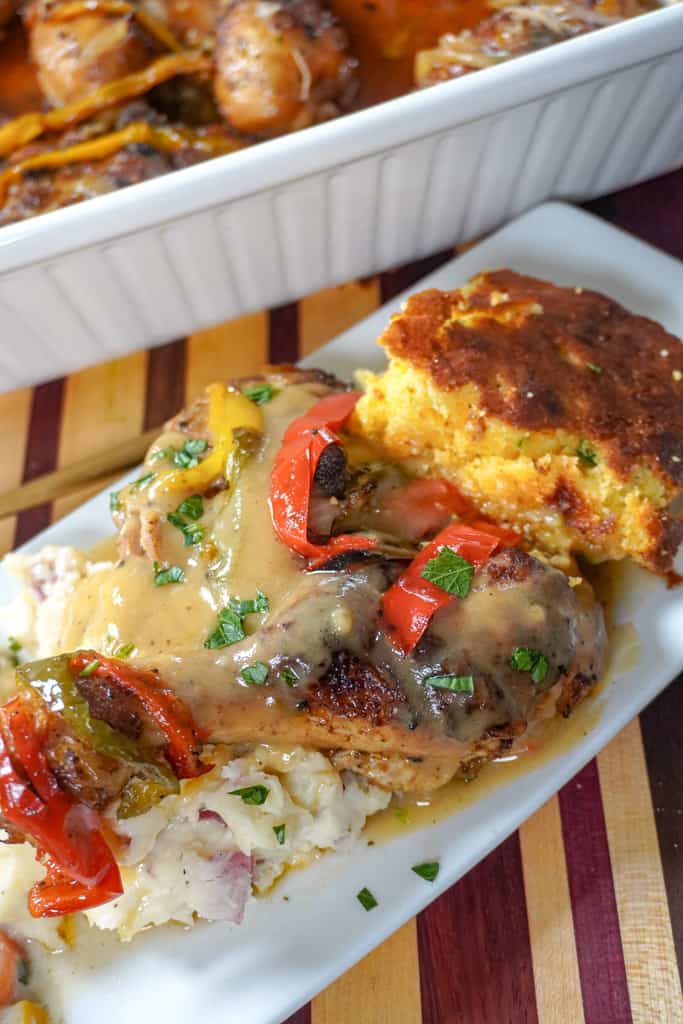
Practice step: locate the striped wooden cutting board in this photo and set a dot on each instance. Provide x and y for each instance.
(578, 916)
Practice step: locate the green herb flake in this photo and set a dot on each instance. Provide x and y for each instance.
(24, 973)
(114, 501)
(528, 659)
(288, 677)
(260, 603)
(124, 651)
(229, 630)
(174, 574)
(91, 667)
(456, 684)
(594, 368)
(193, 533)
(192, 507)
(254, 795)
(186, 457)
(449, 571)
(586, 453)
(428, 870)
(142, 481)
(256, 674)
(14, 647)
(259, 394)
(279, 831)
(402, 815)
(366, 899)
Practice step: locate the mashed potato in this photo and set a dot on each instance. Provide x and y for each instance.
(201, 853)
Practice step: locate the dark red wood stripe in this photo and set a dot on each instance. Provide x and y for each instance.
(662, 728)
(42, 446)
(392, 282)
(475, 954)
(302, 1016)
(283, 333)
(165, 390)
(594, 907)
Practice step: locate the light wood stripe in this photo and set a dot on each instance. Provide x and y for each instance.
(327, 313)
(15, 409)
(102, 405)
(384, 988)
(234, 349)
(551, 931)
(653, 981)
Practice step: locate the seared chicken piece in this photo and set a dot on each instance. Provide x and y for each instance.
(281, 66)
(76, 55)
(510, 32)
(51, 188)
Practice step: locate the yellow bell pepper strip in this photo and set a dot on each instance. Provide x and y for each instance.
(53, 680)
(21, 130)
(229, 411)
(79, 8)
(164, 139)
(31, 1013)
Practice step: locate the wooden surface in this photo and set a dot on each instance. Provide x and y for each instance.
(579, 916)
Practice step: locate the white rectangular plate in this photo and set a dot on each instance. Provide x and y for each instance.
(286, 951)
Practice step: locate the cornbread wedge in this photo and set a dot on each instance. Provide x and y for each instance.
(555, 410)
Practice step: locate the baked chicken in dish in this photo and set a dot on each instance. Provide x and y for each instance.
(172, 83)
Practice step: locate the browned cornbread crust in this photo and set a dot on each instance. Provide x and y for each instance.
(558, 366)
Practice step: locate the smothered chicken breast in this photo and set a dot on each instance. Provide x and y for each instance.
(321, 598)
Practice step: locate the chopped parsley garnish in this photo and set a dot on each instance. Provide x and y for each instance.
(142, 481)
(366, 899)
(14, 648)
(255, 795)
(288, 676)
(279, 831)
(402, 815)
(229, 630)
(428, 871)
(185, 519)
(24, 976)
(528, 659)
(192, 507)
(91, 667)
(259, 394)
(256, 674)
(449, 571)
(114, 501)
(457, 684)
(230, 626)
(192, 532)
(174, 574)
(255, 604)
(124, 651)
(186, 457)
(594, 368)
(586, 453)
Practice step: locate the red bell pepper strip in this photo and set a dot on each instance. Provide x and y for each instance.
(66, 833)
(57, 894)
(183, 738)
(304, 441)
(11, 955)
(409, 604)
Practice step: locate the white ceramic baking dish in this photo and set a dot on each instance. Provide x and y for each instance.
(341, 200)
